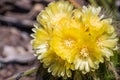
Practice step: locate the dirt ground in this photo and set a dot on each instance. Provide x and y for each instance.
(16, 20)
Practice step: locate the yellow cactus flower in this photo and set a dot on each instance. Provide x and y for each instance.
(68, 39)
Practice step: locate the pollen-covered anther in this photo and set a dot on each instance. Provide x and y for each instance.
(84, 52)
(69, 43)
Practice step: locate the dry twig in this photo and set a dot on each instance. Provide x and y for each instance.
(112, 68)
(75, 3)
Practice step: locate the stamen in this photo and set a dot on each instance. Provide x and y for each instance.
(69, 43)
(84, 52)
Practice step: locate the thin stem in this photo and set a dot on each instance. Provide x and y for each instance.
(112, 68)
(23, 74)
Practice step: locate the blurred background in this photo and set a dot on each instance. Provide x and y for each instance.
(16, 21)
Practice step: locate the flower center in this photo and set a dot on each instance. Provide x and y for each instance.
(84, 52)
(69, 43)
